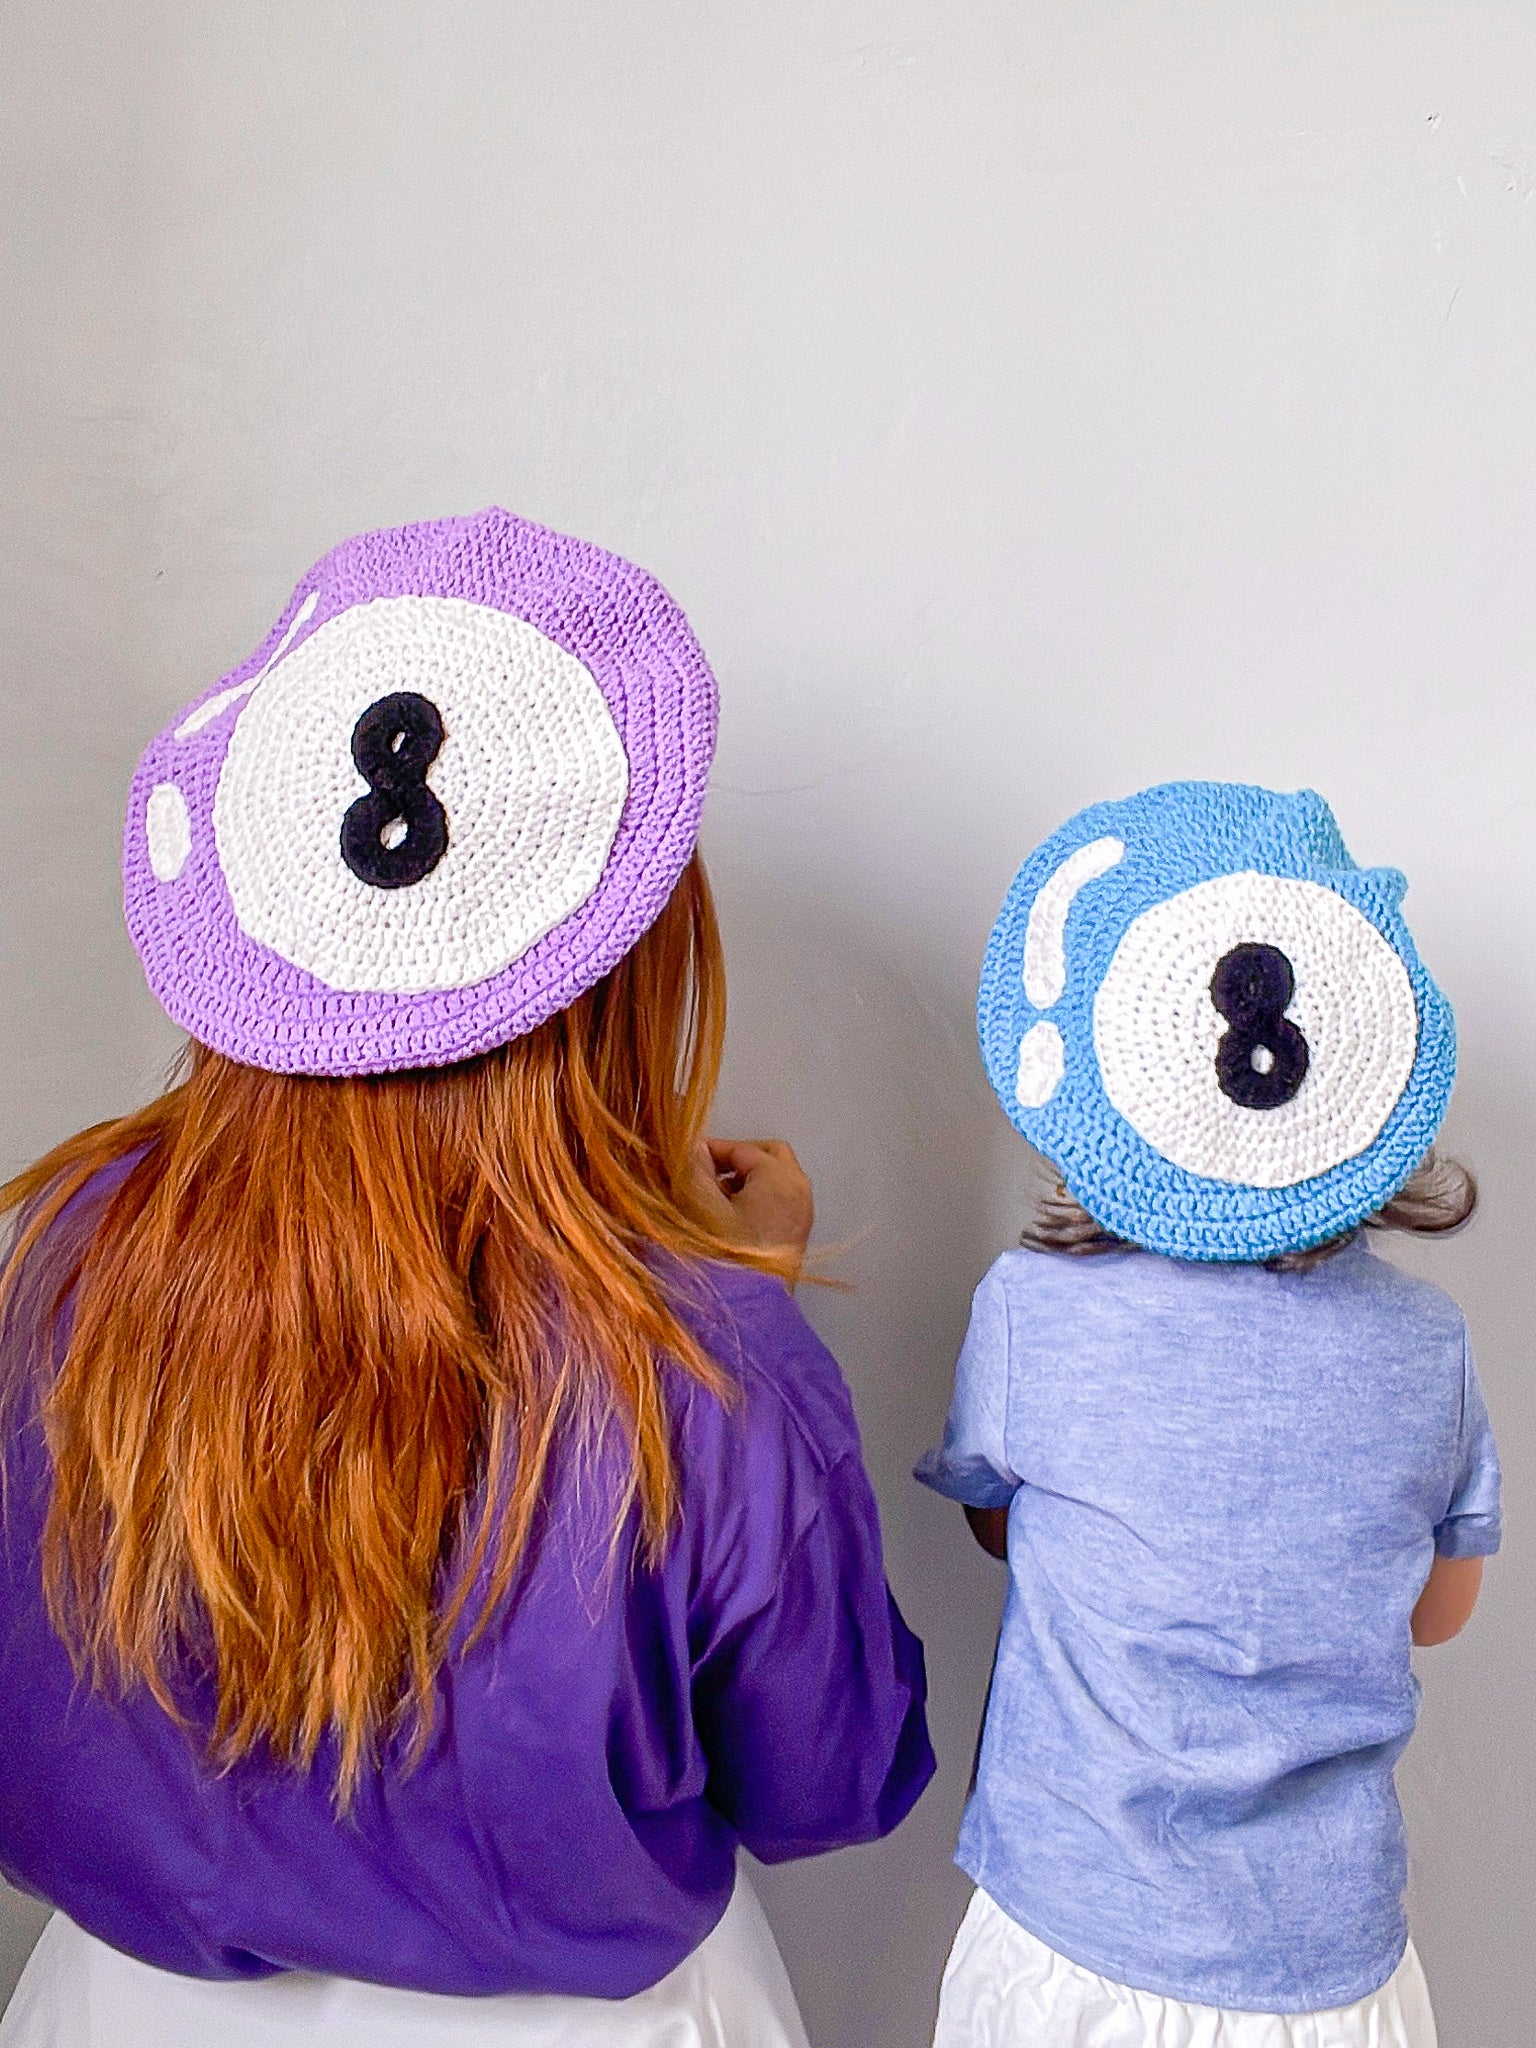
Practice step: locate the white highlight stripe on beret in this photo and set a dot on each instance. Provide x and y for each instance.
(167, 831)
(1042, 1062)
(206, 713)
(1045, 953)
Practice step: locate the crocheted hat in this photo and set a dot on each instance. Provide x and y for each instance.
(446, 795)
(1214, 1023)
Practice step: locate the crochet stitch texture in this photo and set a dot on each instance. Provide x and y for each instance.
(1214, 1023)
(444, 797)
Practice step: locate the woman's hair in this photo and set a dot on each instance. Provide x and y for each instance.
(328, 1333)
(1439, 1195)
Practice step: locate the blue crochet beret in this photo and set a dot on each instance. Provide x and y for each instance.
(1214, 1023)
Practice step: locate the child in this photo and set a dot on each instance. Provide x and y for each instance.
(1235, 1461)
(435, 1540)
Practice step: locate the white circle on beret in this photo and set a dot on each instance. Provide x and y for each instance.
(1156, 1030)
(167, 831)
(531, 774)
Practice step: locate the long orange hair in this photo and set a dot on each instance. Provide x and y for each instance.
(327, 1334)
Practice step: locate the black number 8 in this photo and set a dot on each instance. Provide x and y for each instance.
(1261, 1061)
(398, 832)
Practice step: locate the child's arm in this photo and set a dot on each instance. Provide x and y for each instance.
(1469, 1530)
(990, 1528)
(1445, 1606)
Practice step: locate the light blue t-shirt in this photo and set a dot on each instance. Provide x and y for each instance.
(1225, 1490)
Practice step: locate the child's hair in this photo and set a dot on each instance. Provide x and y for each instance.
(1439, 1195)
(327, 1334)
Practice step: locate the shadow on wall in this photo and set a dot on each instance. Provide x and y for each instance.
(1465, 1776)
(21, 1922)
(875, 1078)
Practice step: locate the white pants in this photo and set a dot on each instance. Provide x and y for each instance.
(1004, 1989)
(732, 1992)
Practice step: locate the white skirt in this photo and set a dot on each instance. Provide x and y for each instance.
(732, 1992)
(1004, 1989)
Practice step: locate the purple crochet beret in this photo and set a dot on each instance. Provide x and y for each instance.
(445, 796)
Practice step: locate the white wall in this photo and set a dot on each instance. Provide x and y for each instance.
(1027, 401)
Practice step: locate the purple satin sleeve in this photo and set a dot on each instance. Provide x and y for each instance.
(811, 1711)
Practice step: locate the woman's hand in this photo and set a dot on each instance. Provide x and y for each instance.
(756, 1193)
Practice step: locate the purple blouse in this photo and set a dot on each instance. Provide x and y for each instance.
(597, 1757)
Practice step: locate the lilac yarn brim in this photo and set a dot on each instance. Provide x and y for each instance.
(240, 998)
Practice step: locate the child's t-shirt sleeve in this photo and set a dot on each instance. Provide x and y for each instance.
(972, 1464)
(1472, 1523)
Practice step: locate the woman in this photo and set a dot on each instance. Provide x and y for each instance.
(435, 1541)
